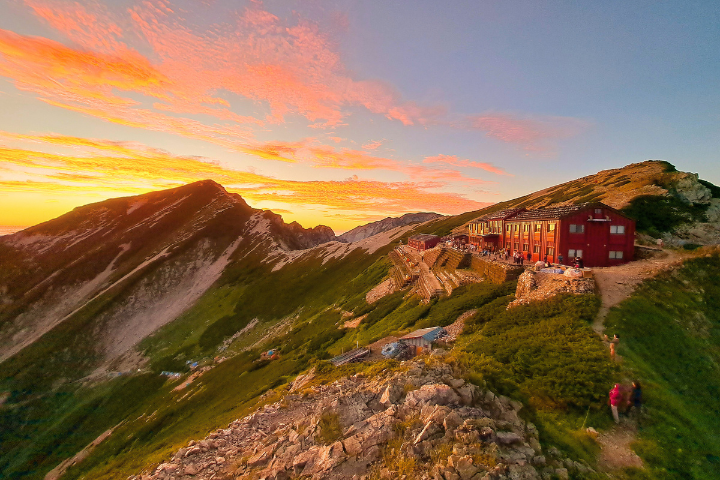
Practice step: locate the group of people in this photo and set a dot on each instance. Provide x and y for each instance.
(626, 400)
(519, 258)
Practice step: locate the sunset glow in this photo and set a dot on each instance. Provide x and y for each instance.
(290, 105)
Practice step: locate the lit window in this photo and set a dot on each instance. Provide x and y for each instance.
(538, 227)
(616, 255)
(572, 253)
(526, 247)
(517, 246)
(574, 228)
(551, 227)
(536, 249)
(619, 229)
(550, 251)
(509, 228)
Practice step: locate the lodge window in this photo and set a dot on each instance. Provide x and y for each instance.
(598, 210)
(538, 227)
(616, 254)
(526, 228)
(536, 249)
(509, 228)
(517, 246)
(550, 251)
(618, 229)
(526, 247)
(517, 227)
(572, 253)
(551, 227)
(575, 228)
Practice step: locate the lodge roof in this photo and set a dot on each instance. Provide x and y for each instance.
(423, 237)
(499, 215)
(549, 213)
(429, 334)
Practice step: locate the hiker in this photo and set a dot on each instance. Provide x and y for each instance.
(615, 397)
(561, 259)
(613, 345)
(522, 259)
(529, 256)
(636, 399)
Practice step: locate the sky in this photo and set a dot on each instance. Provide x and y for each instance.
(345, 112)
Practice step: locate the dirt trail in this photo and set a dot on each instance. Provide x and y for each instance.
(618, 283)
(616, 452)
(615, 285)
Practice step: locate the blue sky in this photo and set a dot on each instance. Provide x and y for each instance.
(344, 112)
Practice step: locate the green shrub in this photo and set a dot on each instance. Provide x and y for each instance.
(655, 215)
(330, 430)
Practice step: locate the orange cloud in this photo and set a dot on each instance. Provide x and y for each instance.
(114, 168)
(532, 134)
(455, 161)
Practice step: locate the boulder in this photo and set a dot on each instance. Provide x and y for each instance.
(508, 438)
(391, 395)
(452, 421)
(433, 394)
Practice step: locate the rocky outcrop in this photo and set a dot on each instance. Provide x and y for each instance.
(365, 231)
(536, 286)
(443, 428)
(688, 188)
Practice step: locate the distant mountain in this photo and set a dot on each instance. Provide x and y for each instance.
(364, 231)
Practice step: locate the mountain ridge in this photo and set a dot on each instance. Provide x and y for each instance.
(362, 232)
(171, 280)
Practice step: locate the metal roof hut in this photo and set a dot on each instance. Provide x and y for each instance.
(421, 340)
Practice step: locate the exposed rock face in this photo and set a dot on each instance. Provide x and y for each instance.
(443, 429)
(535, 286)
(690, 190)
(365, 231)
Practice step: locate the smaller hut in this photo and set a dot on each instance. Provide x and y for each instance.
(423, 241)
(421, 340)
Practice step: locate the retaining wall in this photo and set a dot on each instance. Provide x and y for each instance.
(496, 272)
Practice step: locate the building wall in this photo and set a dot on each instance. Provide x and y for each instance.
(596, 240)
(423, 244)
(538, 237)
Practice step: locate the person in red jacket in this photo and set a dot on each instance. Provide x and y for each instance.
(615, 398)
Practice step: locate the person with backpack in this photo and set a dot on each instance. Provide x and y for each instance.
(636, 399)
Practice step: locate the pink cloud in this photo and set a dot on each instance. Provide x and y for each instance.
(464, 163)
(372, 145)
(530, 133)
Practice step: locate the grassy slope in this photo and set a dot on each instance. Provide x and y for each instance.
(670, 331)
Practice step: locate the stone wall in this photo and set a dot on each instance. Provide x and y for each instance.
(496, 272)
(538, 286)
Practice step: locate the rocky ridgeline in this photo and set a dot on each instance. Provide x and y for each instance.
(419, 421)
